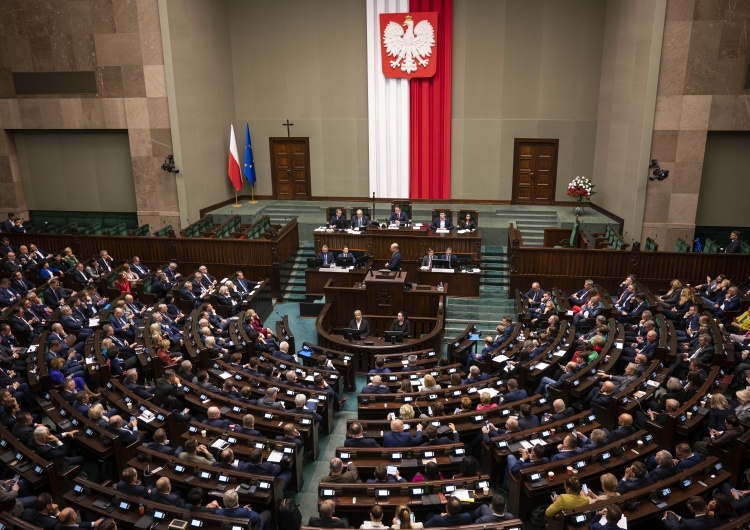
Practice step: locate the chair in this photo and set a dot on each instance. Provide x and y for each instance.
(405, 207)
(331, 211)
(573, 239)
(462, 216)
(651, 245)
(448, 213)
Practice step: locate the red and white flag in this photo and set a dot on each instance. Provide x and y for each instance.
(234, 162)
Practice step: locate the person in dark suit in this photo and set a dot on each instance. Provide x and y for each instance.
(128, 432)
(665, 466)
(358, 439)
(494, 513)
(591, 309)
(398, 216)
(581, 297)
(105, 261)
(534, 295)
(636, 477)
(43, 514)
(256, 465)
(248, 427)
(514, 393)
(703, 351)
(161, 443)
(432, 436)
(360, 220)
(325, 255)
(376, 386)
(731, 302)
(701, 521)
(215, 419)
(625, 429)
(613, 514)
(56, 294)
(326, 519)
(291, 434)
(442, 221)
(46, 445)
(347, 257)
(401, 323)
(362, 324)
(734, 246)
(187, 293)
(398, 438)
(450, 258)
(686, 457)
(451, 517)
(338, 216)
(300, 400)
(167, 392)
(427, 260)
(128, 484)
(79, 275)
(232, 508)
(21, 284)
(164, 495)
(394, 263)
(162, 286)
(9, 223)
(138, 268)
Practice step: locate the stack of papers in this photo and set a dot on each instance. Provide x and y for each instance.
(463, 495)
(500, 358)
(275, 456)
(541, 366)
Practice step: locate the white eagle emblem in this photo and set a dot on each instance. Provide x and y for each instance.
(410, 47)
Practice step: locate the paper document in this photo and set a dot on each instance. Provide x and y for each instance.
(392, 470)
(219, 443)
(491, 391)
(569, 312)
(526, 445)
(146, 419)
(275, 456)
(500, 358)
(558, 353)
(93, 322)
(541, 366)
(225, 375)
(622, 523)
(463, 495)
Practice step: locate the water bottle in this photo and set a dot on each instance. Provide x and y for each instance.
(440, 287)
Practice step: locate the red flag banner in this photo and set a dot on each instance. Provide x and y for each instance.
(408, 44)
(234, 162)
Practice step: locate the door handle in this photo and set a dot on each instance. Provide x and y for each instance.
(531, 175)
(289, 171)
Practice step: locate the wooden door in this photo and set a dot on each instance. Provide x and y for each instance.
(534, 171)
(290, 167)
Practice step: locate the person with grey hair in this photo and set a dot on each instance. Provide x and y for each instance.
(248, 427)
(579, 298)
(291, 379)
(50, 447)
(568, 372)
(186, 371)
(283, 353)
(475, 375)
(300, 400)
(338, 474)
(598, 439)
(232, 508)
(664, 466)
(360, 323)
(269, 400)
(411, 364)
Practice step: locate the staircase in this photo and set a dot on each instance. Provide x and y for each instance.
(493, 302)
(293, 273)
(531, 223)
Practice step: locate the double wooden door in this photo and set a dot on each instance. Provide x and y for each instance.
(290, 167)
(534, 171)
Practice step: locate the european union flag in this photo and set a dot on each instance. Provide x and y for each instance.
(249, 162)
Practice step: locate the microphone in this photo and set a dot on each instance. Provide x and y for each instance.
(399, 273)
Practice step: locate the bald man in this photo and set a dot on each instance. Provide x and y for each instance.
(398, 438)
(376, 386)
(164, 494)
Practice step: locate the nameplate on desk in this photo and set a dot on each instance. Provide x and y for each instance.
(451, 271)
(338, 269)
(442, 231)
(424, 287)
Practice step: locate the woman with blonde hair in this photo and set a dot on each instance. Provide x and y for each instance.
(743, 410)
(405, 386)
(681, 306)
(69, 257)
(485, 402)
(670, 298)
(430, 384)
(257, 325)
(96, 414)
(403, 519)
(129, 274)
(609, 489)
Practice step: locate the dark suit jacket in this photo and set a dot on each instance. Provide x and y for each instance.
(436, 223)
(733, 247)
(620, 433)
(364, 326)
(394, 263)
(356, 222)
(662, 472)
(401, 218)
(633, 484)
(361, 442)
(704, 522)
(136, 490)
(41, 520)
(448, 520)
(515, 395)
(369, 389)
(328, 522)
(527, 422)
(329, 256)
(401, 439)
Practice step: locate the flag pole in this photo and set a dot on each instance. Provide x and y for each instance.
(236, 204)
(249, 159)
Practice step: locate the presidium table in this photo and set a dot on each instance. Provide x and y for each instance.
(413, 244)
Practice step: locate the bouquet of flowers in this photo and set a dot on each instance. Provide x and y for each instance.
(581, 188)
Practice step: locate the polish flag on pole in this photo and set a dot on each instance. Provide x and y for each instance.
(234, 162)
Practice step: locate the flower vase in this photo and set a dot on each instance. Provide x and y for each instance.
(579, 207)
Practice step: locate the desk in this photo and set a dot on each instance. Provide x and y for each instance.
(316, 279)
(464, 284)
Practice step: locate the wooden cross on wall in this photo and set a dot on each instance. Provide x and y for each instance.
(288, 128)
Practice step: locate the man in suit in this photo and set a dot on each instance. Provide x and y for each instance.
(215, 419)
(248, 427)
(380, 366)
(449, 257)
(23, 430)
(701, 521)
(633, 309)
(257, 466)
(494, 513)
(347, 257)
(568, 448)
(664, 468)
(358, 439)
(48, 446)
(636, 477)
(326, 519)
(291, 434)
(451, 517)
(164, 495)
(128, 484)
(591, 309)
(581, 297)
(612, 514)
(394, 263)
(703, 351)
(622, 382)
(79, 275)
(241, 283)
(12, 263)
(8, 295)
(161, 443)
(717, 439)
(105, 261)
(560, 412)
(161, 286)
(598, 439)
(360, 220)
(534, 296)
(69, 520)
(325, 255)
(362, 324)
(337, 217)
(128, 432)
(442, 222)
(398, 438)
(342, 474)
(432, 436)
(55, 295)
(269, 400)
(427, 260)
(139, 268)
(167, 393)
(526, 420)
(9, 223)
(21, 284)
(44, 513)
(300, 400)
(734, 246)
(625, 428)
(398, 216)
(731, 302)
(514, 393)
(232, 508)
(188, 293)
(686, 458)
(376, 386)
(568, 372)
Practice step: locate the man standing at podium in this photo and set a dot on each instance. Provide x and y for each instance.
(362, 324)
(394, 263)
